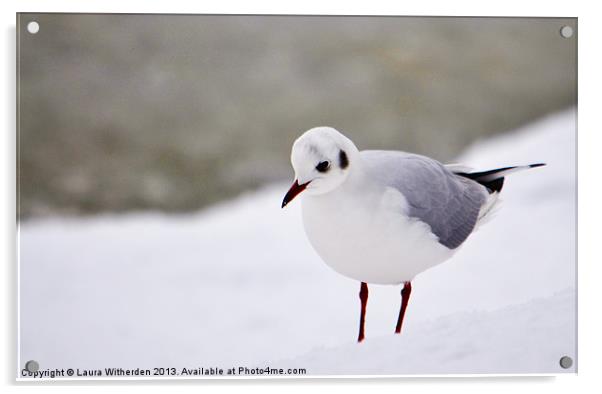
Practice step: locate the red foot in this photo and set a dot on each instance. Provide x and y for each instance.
(364, 300)
(405, 297)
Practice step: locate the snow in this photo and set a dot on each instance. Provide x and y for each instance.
(239, 285)
(426, 348)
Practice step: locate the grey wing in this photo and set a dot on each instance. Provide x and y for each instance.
(448, 203)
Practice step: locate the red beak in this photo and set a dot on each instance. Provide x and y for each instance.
(293, 191)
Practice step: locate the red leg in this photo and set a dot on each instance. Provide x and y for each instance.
(364, 300)
(405, 297)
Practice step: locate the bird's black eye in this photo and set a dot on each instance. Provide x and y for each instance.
(323, 166)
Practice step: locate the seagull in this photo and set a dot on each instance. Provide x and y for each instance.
(383, 217)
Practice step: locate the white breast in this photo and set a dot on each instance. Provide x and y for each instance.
(368, 237)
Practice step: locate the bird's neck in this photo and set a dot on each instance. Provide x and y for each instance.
(357, 174)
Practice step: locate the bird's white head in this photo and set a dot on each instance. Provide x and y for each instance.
(322, 158)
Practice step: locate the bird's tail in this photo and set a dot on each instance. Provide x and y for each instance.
(493, 180)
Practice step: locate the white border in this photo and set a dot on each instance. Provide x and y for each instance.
(291, 377)
(589, 140)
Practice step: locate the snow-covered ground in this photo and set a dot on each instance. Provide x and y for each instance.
(239, 285)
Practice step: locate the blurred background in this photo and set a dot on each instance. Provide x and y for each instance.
(147, 112)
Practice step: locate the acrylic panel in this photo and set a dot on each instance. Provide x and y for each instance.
(159, 234)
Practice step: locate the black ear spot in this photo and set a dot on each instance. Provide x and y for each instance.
(343, 160)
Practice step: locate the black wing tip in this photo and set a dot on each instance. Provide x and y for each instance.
(494, 186)
(537, 165)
